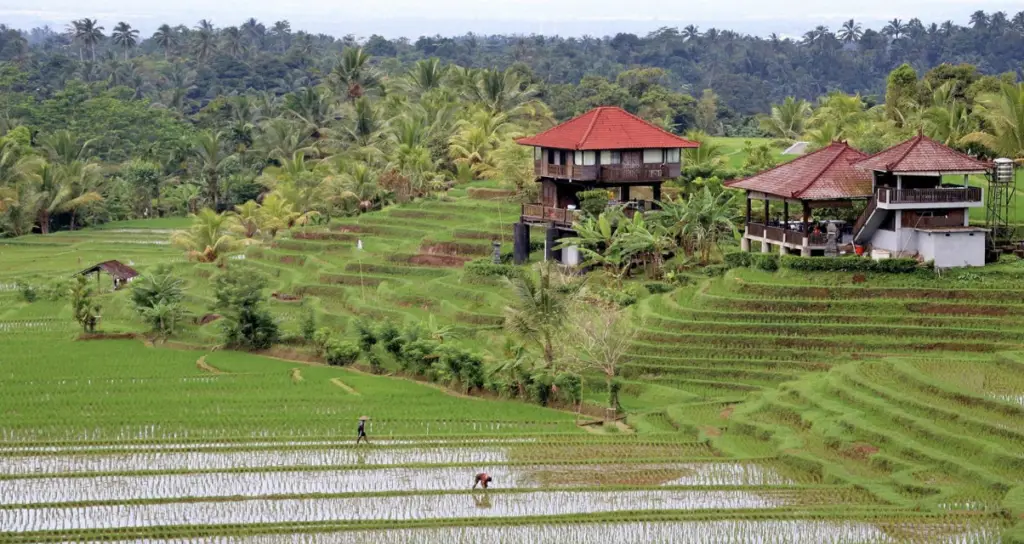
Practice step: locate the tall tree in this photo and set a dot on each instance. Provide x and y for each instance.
(850, 32)
(165, 37)
(354, 75)
(125, 37)
(88, 33)
(538, 311)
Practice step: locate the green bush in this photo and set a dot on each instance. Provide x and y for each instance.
(849, 264)
(28, 292)
(593, 202)
(619, 297)
(321, 340)
(658, 287)
(715, 270)
(486, 269)
(418, 355)
(341, 353)
(540, 388)
(738, 259)
(570, 387)
(768, 262)
(367, 335)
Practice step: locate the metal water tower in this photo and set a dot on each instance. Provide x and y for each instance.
(1002, 192)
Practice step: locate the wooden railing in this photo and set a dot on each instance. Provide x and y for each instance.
(541, 213)
(818, 239)
(794, 237)
(929, 196)
(863, 219)
(775, 234)
(755, 229)
(640, 172)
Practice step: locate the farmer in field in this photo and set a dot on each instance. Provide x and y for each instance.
(362, 430)
(482, 479)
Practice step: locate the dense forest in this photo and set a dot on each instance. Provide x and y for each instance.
(100, 124)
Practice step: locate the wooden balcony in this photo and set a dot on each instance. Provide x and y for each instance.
(613, 173)
(537, 213)
(938, 195)
(642, 172)
(792, 238)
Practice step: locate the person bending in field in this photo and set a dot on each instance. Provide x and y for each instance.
(482, 480)
(362, 432)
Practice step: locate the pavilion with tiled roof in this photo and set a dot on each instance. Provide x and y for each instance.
(922, 156)
(826, 178)
(605, 148)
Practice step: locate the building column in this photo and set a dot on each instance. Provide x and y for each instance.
(782, 249)
(550, 238)
(656, 192)
(744, 241)
(624, 193)
(785, 214)
(766, 211)
(520, 243)
(748, 208)
(805, 250)
(765, 246)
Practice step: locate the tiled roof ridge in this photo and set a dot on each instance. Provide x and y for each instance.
(844, 146)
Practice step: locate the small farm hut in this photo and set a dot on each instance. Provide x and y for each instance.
(120, 272)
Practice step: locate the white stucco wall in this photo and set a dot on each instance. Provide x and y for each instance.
(901, 243)
(953, 249)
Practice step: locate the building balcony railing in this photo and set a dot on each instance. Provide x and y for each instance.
(612, 173)
(792, 236)
(938, 195)
(538, 213)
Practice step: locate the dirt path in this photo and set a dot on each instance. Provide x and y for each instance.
(348, 388)
(201, 364)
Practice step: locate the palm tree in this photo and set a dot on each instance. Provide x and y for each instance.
(691, 32)
(88, 33)
(210, 157)
(948, 27)
(353, 74)
(700, 222)
(63, 148)
(947, 120)
(233, 41)
(246, 219)
(314, 107)
(787, 119)
(283, 31)
(281, 138)
(1003, 113)
(255, 31)
(506, 93)
(277, 214)
(125, 36)
(895, 28)
(979, 19)
(208, 238)
(60, 188)
(475, 138)
(851, 31)
(426, 74)
(205, 40)
(166, 38)
(707, 154)
(539, 311)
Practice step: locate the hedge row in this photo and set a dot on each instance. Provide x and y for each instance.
(771, 262)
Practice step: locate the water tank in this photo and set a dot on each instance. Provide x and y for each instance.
(1004, 171)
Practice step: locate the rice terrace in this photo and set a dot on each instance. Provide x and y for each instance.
(389, 299)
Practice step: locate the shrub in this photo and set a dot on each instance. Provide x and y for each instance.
(540, 388)
(486, 269)
(367, 336)
(390, 337)
(321, 340)
(570, 387)
(768, 262)
(341, 353)
(738, 259)
(849, 264)
(658, 287)
(594, 201)
(57, 289)
(375, 363)
(28, 292)
(715, 270)
(307, 326)
(619, 297)
(418, 355)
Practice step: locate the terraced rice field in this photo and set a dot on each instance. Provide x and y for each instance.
(771, 408)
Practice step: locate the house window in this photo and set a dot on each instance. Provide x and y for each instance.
(589, 158)
(671, 156)
(538, 153)
(653, 156)
(578, 158)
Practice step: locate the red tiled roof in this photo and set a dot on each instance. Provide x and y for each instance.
(606, 128)
(826, 174)
(921, 154)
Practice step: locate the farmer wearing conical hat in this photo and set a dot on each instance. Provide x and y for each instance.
(362, 430)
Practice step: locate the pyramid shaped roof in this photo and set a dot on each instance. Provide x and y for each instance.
(825, 174)
(922, 155)
(607, 128)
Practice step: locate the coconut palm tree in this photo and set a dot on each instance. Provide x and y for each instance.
(125, 37)
(354, 76)
(280, 139)
(276, 214)
(707, 154)
(63, 148)
(691, 32)
(60, 188)
(894, 28)
(166, 38)
(474, 140)
(19, 207)
(314, 107)
(538, 311)
(705, 219)
(426, 75)
(1003, 113)
(246, 219)
(506, 93)
(787, 119)
(208, 238)
(87, 32)
(209, 157)
(947, 120)
(204, 42)
(850, 32)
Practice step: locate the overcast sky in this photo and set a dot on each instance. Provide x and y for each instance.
(413, 18)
